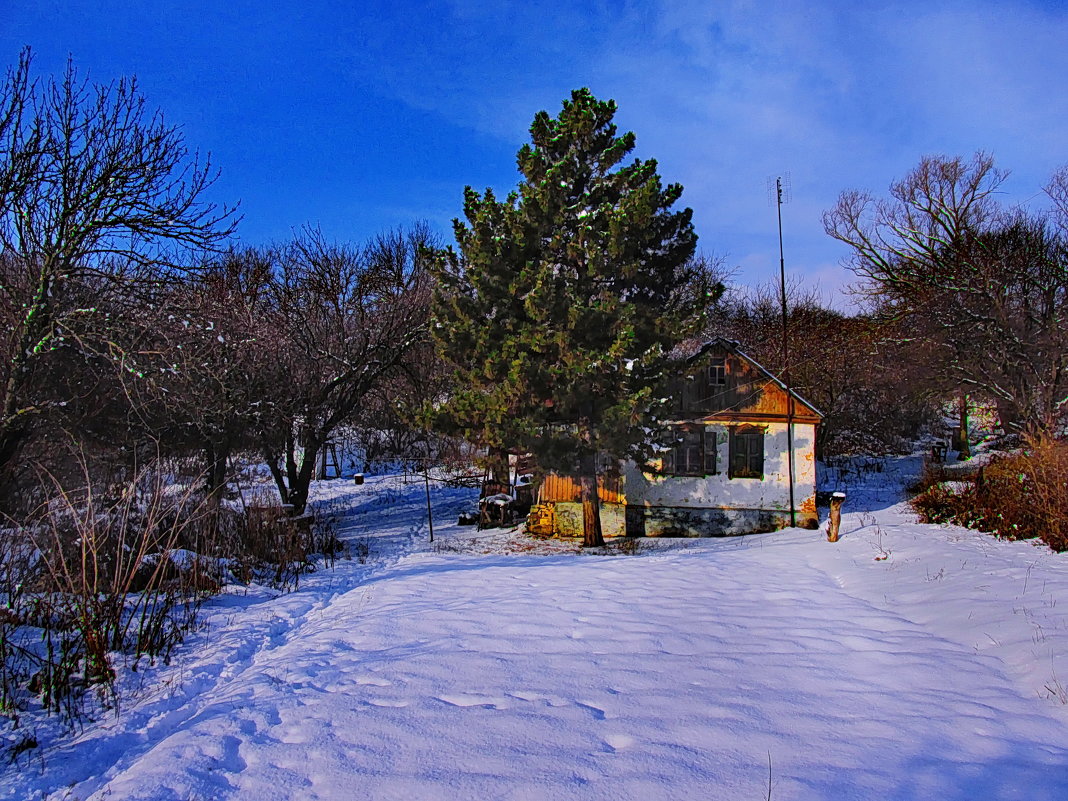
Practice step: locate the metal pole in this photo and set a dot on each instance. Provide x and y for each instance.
(786, 358)
(429, 513)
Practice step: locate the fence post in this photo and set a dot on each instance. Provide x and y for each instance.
(836, 516)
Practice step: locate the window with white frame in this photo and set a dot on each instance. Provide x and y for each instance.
(717, 372)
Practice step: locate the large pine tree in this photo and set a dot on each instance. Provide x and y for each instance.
(561, 304)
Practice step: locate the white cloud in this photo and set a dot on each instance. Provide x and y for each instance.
(726, 94)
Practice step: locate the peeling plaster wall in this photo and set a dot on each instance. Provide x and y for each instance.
(717, 504)
(771, 492)
(714, 505)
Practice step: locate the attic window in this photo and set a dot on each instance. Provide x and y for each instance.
(746, 453)
(693, 452)
(717, 372)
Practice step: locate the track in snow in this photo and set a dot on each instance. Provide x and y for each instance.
(662, 676)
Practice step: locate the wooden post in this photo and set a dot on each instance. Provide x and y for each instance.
(836, 516)
(964, 449)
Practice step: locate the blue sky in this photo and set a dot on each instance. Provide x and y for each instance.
(361, 116)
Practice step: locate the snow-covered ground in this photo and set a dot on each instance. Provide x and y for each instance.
(904, 662)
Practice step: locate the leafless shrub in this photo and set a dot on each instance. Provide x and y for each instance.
(448, 545)
(118, 570)
(96, 573)
(943, 502)
(362, 550)
(277, 546)
(19, 569)
(1020, 496)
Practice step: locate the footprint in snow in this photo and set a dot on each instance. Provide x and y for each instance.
(618, 741)
(470, 699)
(550, 700)
(373, 681)
(598, 713)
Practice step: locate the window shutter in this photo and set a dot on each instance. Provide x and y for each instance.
(710, 451)
(756, 454)
(737, 455)
(669, 460)
(693, 457)
(671, 455)
(747, 454)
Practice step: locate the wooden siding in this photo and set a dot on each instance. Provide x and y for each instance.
(563, 488)
(748, 394)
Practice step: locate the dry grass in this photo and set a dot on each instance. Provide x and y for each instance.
(1018, 496)
(118, 570)
(92, 574)
(272, 545)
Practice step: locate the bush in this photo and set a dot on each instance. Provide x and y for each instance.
(108, 571)
(1019, 496)
(273, 545)
(946, 502)
(90, 575)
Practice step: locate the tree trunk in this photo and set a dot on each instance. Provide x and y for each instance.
(272, 460)
(592, 535)
(11, 442)
(1010, 418)
(216, 455)
(291, 462)
(964, 451)
(498, 466)
(836, 516)
(300, 484)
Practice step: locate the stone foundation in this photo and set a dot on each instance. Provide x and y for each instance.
(658, 521)
(569, 519)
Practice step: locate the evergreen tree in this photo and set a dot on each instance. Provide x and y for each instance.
(562, 304)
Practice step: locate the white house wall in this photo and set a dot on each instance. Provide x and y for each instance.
(731, 505)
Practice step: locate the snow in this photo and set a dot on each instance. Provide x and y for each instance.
(906, 661)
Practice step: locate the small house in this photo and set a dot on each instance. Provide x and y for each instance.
(740, 459)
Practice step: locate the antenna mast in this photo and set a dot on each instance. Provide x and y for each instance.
(782, 195)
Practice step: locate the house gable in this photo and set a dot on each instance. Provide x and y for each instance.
(724, 384)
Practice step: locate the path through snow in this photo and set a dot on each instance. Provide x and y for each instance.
(668, 675)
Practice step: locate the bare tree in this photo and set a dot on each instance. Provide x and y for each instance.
(97, 192)
(850, 366)
(981, 290)
(205, 354)
(348, 319)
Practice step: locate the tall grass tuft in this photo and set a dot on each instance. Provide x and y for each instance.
(274, 546)
(114, 571)
(96, 574)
